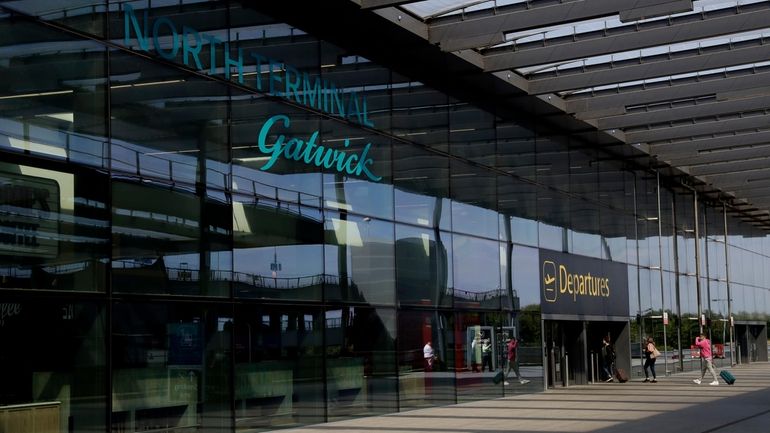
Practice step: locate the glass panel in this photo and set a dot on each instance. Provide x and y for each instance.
(422, 382)
(86, 16)
(58, 364)
(277, 249)
(476, 272)
(364, 185)
(279, 376)
(421, 181)
(52, 94)
(472, 133)
(474, 196)
(516, 150)
(360, 259)
(360, 362)
(54, 233)
(423, 266)
(165, 123)
(171, 367)
(156, 247)
(420, 114)
(480, 337)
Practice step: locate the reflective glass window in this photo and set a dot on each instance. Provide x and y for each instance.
(423, 266)
(360, 362)
(359, 259)
(474, 198)
(420, 114)
(363, 182)
(279, 376)
(477, 265)
(421, 181)
(277, 248)
(55, 373)
(430, 381)
(54, 232)
(171, 367)
(155, 239)
(52, 94)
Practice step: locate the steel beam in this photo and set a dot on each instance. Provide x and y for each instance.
(699, 129)
(376, 4)
(730, 167)
(704, 158)
(653, 69)
(707, 109)
(485, 30)
(674, 92)
(690, 147)
(736, 22)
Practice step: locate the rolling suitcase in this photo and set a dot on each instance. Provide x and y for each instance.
(498, 377)
(621, 375)
(727, 377)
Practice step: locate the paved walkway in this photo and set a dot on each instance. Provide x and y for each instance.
(674, 404)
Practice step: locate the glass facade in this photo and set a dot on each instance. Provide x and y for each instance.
(226, 223)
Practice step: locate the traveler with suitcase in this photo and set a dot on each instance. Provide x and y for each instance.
(704, 344)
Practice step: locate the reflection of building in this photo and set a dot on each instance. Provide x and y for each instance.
(234, 216)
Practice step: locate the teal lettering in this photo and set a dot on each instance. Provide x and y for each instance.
(187, 49)
(311, 95)
(353, 107)
(174, 38)
(259, 60)
(230, 62)
(337, 101)
(141, 36)
(309, 148)
(273, 77)
(367, 122)
(292, 85)
(276, 148)
(213, 40)
(363, 162)
(293, 149)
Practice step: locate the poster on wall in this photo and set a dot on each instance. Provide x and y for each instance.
(29, 215)
(577, 285)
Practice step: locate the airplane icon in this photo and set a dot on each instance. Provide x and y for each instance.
(549, 279)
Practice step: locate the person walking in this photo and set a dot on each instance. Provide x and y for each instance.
(704, 344)
(486, 355)
(429, 355)
(608, 358)
(512, 347)
(651, 354)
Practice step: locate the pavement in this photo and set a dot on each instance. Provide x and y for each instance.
(674, 404)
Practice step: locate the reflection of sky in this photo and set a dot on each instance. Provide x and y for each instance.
(476, 264)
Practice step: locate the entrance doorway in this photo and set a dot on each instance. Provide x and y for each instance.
(573, 350)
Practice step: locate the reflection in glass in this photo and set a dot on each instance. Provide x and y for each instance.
(53, 229)
(51, 94)
(423, 266)
(279, 377)
(477, 265)
(360, 356)
(423, 384)
(360, 259)
(56, 371)
(171, 367)
(156, 248)
(278, 250)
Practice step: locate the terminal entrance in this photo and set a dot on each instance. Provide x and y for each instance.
(573, 350)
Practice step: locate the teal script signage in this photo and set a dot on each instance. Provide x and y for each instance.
(309, 152)
(273, 77)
